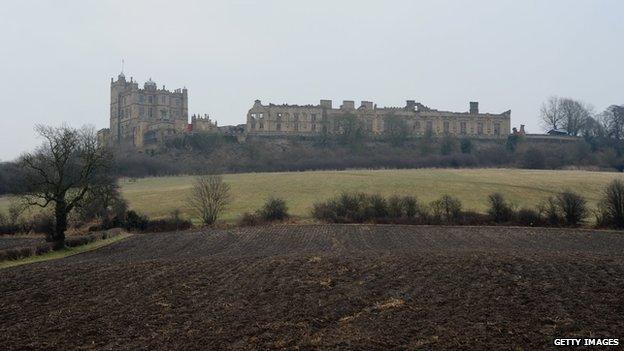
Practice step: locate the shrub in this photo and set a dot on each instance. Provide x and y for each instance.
(573, 207)
(529, 217)
(43, 223)
(377, 208)
(167, 225)
(534, 159)
(274, 209)
(74, 241)
(473, 218)
(465, 146)
(325, 211)
(209, 197)
(405, 208)
(249, 219)
(16, 253)
(611, 209)
(135, 221)
(550, 211)
(499, 211)
(446, 209)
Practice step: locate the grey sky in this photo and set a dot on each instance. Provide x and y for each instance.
(58, 56)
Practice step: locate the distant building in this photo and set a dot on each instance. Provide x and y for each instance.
(143, 117)
(557, 132)
(202, 124)
(286, 119)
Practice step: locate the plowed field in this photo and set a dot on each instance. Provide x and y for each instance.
(322, 287)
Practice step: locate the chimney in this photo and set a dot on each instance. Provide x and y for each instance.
(410, 105)
(474, 107)
(348, 105)
(326, 103)
(367, 105)
(522, 129)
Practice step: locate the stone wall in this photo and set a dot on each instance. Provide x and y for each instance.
(418, 119)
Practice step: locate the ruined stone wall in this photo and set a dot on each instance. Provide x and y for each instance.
(304, 119)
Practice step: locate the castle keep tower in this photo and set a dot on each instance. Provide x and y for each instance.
(143, 117)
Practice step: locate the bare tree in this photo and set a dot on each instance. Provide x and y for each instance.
(62, 171)
(209, 197)
(612, 120)
(550, 113)
(565, 113)
(575, 114)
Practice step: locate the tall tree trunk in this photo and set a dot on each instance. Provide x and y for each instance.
(60, 213)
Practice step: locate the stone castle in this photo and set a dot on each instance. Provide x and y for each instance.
(144, 118)
(141, 118)
(418, 119)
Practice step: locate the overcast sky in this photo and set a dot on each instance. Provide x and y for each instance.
(57, 57)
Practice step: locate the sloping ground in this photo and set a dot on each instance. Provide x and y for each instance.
(322, 287)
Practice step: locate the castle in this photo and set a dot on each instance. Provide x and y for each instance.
(144, 118)
(416, 118)
(141, 118)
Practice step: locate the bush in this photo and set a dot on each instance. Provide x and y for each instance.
(360, 208)
(500, 211)
(16, 254)
(43, 223)
(550, 211)
(167, 225)
(611, 208)
(135, 221)
(534, 159)
(447, 209)
(249, 219)
(529, 217)
(465, 146)
(274, 209)
(573, 208)
(209, 197)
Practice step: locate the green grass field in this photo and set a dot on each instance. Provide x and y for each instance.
(157, 197)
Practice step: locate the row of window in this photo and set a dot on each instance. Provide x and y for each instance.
(429, 127)
(280, 115)
(152, 99)
(162, 113)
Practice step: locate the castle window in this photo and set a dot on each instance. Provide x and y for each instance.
(296, 127)
(141, 98)
(163, 114)
(313, 117)
(253, 115)
(446, 127)
(150, 112)
(313, 126)
(150, 99)
(496, 128)
(296, 116)
(261, 125)
(417, 125)
(278, 126)
(260, 115)
(480, 128)
(462, 127)
(177, 102)
(429, 126)
(142, 111)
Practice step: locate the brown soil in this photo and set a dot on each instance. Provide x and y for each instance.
(322, 287)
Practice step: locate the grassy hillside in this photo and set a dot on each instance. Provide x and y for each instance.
(158, 196)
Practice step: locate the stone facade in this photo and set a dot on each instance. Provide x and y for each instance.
(282, 120)
(202, 124)
(143, 117)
